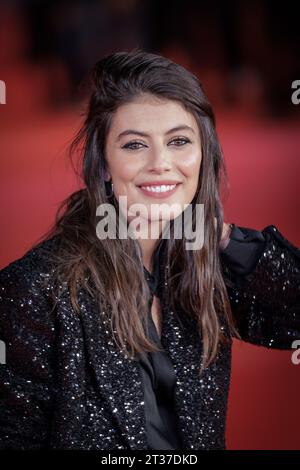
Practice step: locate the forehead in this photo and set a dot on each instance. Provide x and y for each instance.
(151, 114)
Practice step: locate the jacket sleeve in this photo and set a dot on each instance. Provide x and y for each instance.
(262, 275)
(26, 369)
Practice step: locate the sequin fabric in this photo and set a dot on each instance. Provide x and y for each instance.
(65, 385)
(266, 304)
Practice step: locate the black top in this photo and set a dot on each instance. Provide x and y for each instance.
(242, 253)
(159, 380)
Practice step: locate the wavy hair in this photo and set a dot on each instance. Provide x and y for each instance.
(111, 270)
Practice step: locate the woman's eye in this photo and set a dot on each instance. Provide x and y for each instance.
(133, 145)
(180, 142)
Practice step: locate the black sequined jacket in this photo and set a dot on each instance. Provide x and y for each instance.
(65, 385)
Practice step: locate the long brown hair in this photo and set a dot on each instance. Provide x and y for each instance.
(111, 270)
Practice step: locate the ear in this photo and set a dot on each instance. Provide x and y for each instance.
(107, 176)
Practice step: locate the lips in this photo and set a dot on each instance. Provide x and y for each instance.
(159, 190)
(159, 183)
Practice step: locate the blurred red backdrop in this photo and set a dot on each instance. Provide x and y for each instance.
(262, 156)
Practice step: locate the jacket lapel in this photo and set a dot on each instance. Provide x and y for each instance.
(119, 380)
(182, 343)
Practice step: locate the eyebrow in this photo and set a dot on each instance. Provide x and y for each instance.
(143, 134)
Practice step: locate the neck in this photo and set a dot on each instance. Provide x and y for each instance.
(148, 246)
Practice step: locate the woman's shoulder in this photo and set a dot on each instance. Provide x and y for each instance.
(35, 260)
(29, 276)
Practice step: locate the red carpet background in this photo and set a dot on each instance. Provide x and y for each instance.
(262, 156)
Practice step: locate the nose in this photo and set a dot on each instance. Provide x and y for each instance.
(159, 160)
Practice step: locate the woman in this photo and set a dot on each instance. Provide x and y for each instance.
(125, 342)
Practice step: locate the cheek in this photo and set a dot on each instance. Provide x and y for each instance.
(190, 164)
(124, 170)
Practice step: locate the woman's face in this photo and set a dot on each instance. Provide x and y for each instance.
(153, 154)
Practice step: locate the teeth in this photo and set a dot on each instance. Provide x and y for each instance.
(159, 189)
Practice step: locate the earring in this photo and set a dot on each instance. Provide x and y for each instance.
(109, 188)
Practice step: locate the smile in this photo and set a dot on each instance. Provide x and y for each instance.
(163, 190)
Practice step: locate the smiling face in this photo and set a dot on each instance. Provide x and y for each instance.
(153, 153)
